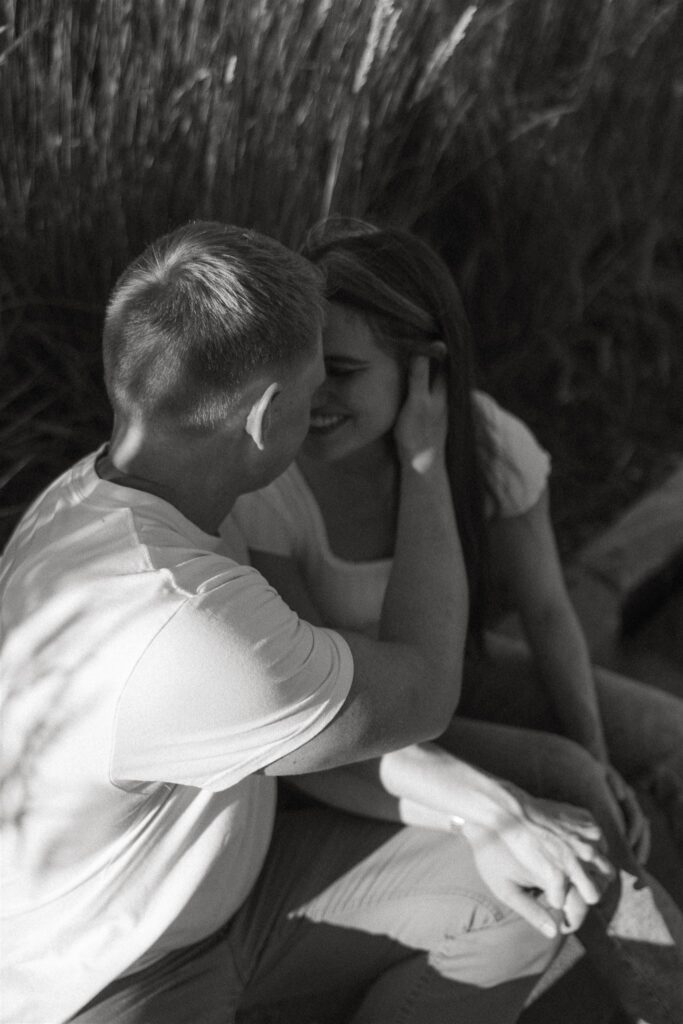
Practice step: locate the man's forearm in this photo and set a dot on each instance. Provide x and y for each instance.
(523, 849)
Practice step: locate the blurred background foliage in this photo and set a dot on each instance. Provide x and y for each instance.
(537, 144)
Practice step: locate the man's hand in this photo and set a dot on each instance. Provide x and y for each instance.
(544, 861)
(635, 825)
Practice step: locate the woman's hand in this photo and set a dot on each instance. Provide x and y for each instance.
(421, 427)
(636, 827)
(544, 861)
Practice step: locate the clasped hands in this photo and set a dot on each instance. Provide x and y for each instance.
(544, 859)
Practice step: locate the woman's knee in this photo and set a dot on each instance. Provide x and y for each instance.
(572, 774)
(564, 770)
(643, 724)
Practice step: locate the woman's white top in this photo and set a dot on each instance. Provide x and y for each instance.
(285, 519)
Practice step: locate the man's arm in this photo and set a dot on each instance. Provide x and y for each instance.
(540, 857)
(406, 683)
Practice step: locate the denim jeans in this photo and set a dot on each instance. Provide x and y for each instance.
(351, 920)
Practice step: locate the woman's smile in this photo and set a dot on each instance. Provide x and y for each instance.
(325, 422)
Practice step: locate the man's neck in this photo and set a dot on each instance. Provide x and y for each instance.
(187, 487)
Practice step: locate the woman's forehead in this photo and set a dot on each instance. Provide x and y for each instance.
(347, 332)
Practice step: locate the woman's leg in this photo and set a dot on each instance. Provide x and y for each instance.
(646, 920)
(644, 734)
(643, 725)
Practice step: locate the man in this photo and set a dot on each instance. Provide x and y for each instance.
(155, 685)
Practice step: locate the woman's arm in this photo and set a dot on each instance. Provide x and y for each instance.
(524, 551)
(525, 554)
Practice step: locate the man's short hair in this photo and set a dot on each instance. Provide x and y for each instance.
(197, 314)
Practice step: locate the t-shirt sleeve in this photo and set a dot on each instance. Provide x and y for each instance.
(516, 466)
(265, 523)
(232, 682)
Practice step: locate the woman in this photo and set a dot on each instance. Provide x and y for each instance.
(324, 533)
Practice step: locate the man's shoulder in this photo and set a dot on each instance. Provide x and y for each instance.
(84, 529)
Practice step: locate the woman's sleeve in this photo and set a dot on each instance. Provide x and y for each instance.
(516, 467)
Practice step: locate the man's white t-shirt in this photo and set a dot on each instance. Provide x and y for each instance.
(148, 675)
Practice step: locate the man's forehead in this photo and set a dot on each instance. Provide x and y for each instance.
(307, 367)
(313, 365)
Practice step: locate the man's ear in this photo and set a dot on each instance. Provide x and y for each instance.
(256, 417)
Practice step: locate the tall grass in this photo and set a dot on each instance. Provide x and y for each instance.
(539, 144)
(562, 214)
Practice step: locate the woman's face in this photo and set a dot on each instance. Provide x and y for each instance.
(356, 407)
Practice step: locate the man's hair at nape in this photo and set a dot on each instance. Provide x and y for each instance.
(196, 314)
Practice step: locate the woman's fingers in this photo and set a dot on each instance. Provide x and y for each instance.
(639, 835)
(574, 828)
(565, 870)
(639, 826)
(591, 855)
(422, 381)
(421, 427)
(576, 863)
(418, 374)
(581, 880)
(644, 843)
(635, 824)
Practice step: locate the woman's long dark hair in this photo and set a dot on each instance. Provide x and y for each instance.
(410, 299)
